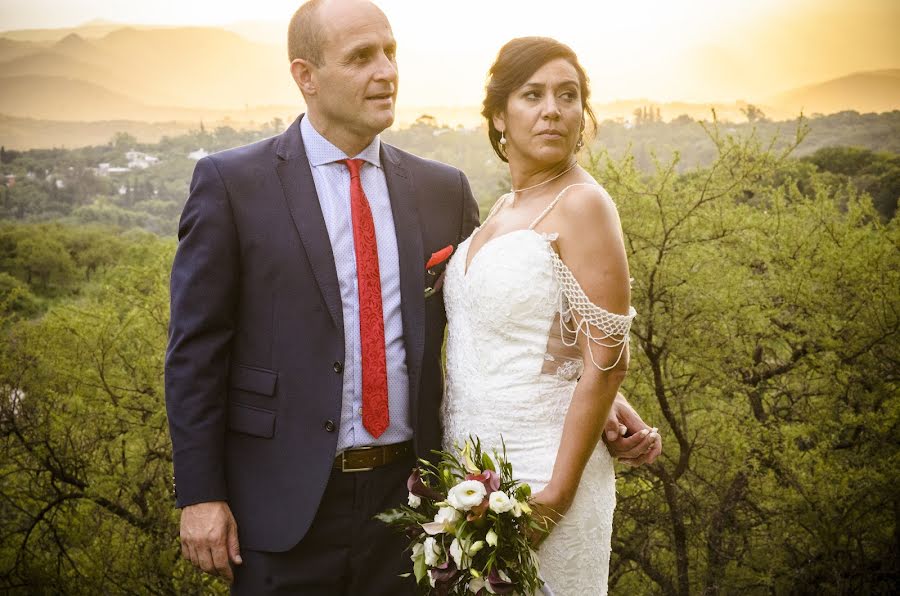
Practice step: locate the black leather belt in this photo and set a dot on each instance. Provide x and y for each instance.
(368, 458)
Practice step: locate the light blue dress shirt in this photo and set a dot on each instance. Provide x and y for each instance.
(332, 180)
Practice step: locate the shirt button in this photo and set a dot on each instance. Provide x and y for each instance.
(338, 367)
(329, 426)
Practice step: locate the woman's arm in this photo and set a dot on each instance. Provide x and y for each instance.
(592, 247)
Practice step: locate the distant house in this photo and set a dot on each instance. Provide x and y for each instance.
(198, 154)
(138, 160)
(104, 169)
(10, 180)
(60, 183)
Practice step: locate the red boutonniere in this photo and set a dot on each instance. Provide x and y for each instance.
(434, 269)
(439, 257)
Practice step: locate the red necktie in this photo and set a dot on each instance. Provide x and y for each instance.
(375, 412)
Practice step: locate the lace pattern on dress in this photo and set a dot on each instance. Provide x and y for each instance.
(579, 315)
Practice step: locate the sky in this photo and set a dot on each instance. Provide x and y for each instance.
(664, 50)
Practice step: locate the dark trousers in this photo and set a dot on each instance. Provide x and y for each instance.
(345, 552)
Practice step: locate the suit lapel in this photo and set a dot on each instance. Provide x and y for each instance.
(412, 263)
(303, 203)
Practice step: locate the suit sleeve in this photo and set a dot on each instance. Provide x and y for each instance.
(204, 286)
(470, 212)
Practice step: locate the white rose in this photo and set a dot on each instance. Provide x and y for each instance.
(459, 554)
(414, 500)
(500, 502)
(447, 516)
(491, 538)
(466, 494)
(443, 520)
(432, 552)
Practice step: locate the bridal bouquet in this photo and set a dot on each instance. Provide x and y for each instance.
(468, 522)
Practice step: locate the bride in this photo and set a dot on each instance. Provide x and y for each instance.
(538, 303)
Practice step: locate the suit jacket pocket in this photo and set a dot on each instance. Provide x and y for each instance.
(253, 379)
(250, 420)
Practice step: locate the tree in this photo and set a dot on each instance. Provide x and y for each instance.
(753, 113)
(773, 376)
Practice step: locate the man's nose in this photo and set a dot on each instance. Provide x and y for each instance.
(387, 68)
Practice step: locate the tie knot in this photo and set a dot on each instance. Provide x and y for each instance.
(353, 165)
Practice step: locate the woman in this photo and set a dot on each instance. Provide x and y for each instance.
(538, 305)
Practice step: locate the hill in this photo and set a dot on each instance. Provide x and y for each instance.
(874, 91)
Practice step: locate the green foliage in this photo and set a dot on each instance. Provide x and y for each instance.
(68, 185)
(876, 174)
(766, 350)
(86, 503)
(767, 354)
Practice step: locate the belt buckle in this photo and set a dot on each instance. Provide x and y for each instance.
(344, 467)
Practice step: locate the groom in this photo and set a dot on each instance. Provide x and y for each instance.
(303, 372)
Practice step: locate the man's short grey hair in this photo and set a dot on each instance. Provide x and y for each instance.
(305, 35)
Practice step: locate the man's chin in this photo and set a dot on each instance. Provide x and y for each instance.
(382, 120)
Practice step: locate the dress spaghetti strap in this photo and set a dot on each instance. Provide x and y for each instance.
(553, 203)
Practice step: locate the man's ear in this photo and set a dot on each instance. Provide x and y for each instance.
(304, 76)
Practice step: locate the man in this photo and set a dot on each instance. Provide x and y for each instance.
(303, 368)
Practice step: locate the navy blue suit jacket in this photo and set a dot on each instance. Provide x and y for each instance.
(256, 340)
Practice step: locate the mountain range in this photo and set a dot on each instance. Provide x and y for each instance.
(104, 71)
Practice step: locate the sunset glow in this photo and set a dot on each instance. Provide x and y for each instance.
(690, 50)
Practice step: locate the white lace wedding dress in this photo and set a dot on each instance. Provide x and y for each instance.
(511, 371)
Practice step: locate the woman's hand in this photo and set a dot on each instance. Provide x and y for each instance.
(548, 507)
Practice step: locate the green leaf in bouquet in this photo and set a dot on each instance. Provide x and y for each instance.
(419, 569)
(392, 516)
(487, 463)
(523, 492)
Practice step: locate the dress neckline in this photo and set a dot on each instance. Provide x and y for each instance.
(467, 263)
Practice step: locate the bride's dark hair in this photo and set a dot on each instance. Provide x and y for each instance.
(516, 62)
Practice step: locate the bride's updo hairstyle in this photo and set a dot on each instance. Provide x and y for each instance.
(516, 62)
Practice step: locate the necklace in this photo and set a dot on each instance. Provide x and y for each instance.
(547, 181)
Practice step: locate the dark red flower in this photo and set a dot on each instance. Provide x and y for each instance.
(415, 485)
(443, 576)
(499, 585)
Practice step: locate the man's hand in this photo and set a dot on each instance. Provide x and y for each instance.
(642, 445)
(209, 538)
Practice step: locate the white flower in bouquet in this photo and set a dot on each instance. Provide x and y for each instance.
(491, 538)
(432, 551)
(500, 502)
(418, 550)
(458, 553)
(520, 507)
(414, 501)
(443, 521)
(466, 494)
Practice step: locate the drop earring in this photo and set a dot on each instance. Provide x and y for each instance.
(502, 138)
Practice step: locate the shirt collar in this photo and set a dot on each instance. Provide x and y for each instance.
(320, 150)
